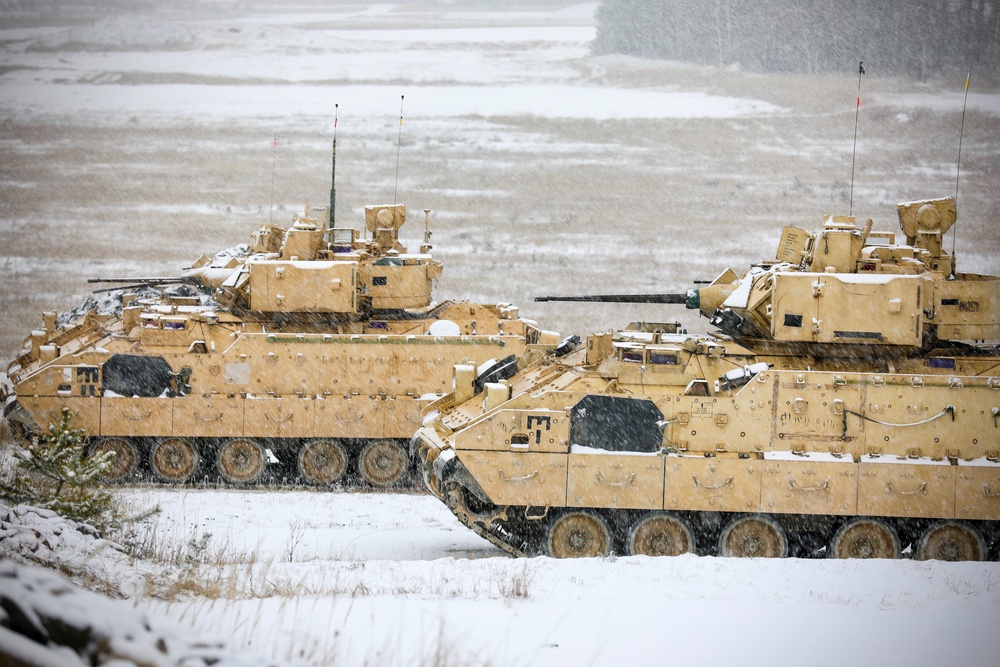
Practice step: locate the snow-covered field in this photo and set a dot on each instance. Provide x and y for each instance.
(132, 145)
(377, 579)
(396, 579)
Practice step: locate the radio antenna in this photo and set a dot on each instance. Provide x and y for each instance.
(399, 139)
(958, 171)
(333, 171)
(854, 150)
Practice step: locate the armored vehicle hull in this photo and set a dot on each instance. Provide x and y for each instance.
(843, 413)
(307, 356)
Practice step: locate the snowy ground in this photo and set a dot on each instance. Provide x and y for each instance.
(377, 579)
(394, 578)
(132, 145)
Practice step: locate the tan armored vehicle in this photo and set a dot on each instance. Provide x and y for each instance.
(314, 349)
(848, 406)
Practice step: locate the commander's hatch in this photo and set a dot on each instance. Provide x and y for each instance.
(795, 245)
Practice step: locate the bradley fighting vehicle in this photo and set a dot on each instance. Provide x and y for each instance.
(313, 348)
(848, 405)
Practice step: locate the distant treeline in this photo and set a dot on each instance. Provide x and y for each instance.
(917, 38)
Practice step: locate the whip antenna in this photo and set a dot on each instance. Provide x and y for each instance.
(854, 150)
(398, 140)
(333, 170)
(274, 150)
(958, 171)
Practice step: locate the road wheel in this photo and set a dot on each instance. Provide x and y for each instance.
(241, 461)
(579, 535)
(22, 434)
(952, 541)
(383, 463)
(865, 538)
(461, 497)
(753, 537)
(174, 460)
(660, 535)
(124, 461)
(322, 462)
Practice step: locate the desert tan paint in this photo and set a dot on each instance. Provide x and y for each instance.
(315, 338)
(839, 392)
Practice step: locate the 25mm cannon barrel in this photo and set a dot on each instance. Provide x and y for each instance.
(173, 280)
(676, 298)
(139, 283)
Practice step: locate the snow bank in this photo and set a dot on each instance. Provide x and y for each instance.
(45, 620)
(374, 578)
(168, 104)
(43, 537)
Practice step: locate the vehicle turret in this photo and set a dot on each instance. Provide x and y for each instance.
(311, 270)
(850, 286)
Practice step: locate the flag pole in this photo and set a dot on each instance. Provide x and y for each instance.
(958, 170)
(398, 143)
(333, 171)
(854, 150)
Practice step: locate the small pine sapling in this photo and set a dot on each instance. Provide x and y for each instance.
(54, 472)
